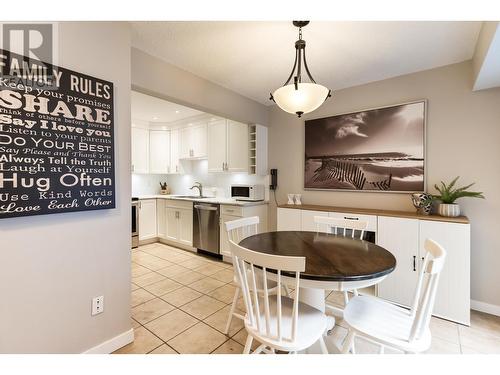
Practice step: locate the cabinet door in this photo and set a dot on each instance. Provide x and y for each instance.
(140, 150)
(453, 293)
(400, 237)
(175, 149)
(186, 143)
(172, 220)
(161, 223)
(147, 219)
(237, 147)
(185, 220)
(224, 239)
(289, 219)
(199, 141)
(217, 136)
(307, 220)
(159, 151)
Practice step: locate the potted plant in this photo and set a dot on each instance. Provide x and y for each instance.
(448, 195)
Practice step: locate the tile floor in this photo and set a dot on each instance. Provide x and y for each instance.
(180, 303)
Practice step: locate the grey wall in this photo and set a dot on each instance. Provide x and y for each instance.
(51, 266)
(156, 77)
(463, 133)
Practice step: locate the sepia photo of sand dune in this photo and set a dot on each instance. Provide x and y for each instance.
(379, 150)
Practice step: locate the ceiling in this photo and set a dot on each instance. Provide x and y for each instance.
(255, 58)
(151, 109)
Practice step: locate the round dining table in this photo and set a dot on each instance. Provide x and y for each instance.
(332, 263)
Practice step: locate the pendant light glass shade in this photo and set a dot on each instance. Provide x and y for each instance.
(306, 98)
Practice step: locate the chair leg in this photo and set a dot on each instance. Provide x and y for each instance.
(349, 343)
(248, 345)
(324, 349)
(355, 291)
(287, 291)
(346, 298)
(231, 312)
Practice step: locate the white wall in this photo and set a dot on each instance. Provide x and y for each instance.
(463, 132)
(51, 266)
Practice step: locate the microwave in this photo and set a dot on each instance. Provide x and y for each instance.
(247, 192)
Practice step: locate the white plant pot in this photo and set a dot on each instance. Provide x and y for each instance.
(450, 210)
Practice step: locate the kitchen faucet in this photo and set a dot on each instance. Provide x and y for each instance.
(197, 185)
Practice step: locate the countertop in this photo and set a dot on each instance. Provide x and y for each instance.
(369, 211)
(219, 200)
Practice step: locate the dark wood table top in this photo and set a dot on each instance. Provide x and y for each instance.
(328, 257)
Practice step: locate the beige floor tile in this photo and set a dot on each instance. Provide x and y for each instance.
(439, 346)
(225, 293)
(173, 270)
(134, 323)
(163, 287)
(206, 285)
(160, 250)
(181, 296)
(338, 335)
(467, 350)
(226, 275)
(199, 339)
(193, 263)
(336, 298)
(444, 330)
(479, 340)
(148, 246)
(229, 347)
(241, 338)
(138, 270)
(133, 287)
(150, 310)
(218, 321)
(171, 324)
(164, 349)
(188, 277)
(179, 258)
(144, 342)
(148, 278)
(209, 269)
(203, 307)
(138, 255)
(486, 323)
(140, 296)
(153, 263)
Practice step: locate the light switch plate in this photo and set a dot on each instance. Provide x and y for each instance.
(97, 305)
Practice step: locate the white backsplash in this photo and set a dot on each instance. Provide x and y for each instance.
(214, 184)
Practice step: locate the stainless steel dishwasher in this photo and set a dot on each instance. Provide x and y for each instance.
(206, 227)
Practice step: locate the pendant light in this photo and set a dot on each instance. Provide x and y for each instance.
(300, 97)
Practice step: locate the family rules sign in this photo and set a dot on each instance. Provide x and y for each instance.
(56, 139)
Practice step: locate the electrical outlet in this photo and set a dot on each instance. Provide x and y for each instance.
(97, 305)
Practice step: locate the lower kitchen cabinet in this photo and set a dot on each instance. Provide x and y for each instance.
(147, 219)
(179, 222)
(289, 219)
(161, 219)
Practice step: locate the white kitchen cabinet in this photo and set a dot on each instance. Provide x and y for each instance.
(258, 150)
(179, 222)
(289, 219)
(140, 150)
(453, 293)
(227, 146)
(147, 219)
(400, 237)
(224, 239)
(193, 140)
(161, 219)
(159, 151)
(176, 166)
(307, 220)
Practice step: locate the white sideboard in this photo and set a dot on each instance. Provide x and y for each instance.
(404, 234)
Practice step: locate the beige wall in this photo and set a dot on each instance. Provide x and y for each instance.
(463, 133)
(156, 77)
(52, 265)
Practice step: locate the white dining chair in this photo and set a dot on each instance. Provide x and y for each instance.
(392, 326)
(278, 322)
(237, 230)
(341, 227)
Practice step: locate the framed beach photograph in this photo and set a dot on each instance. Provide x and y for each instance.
(380, 149)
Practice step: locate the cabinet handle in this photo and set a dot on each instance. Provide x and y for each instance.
(414, 263)
(351, 218)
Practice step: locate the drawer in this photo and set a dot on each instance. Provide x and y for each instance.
(370, 219)
(174, 203)
(231, 210)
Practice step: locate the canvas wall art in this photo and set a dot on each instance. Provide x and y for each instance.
(379, 149)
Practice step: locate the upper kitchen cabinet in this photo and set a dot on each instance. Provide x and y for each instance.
(193, 141)
(257, 150)
(140, 150)
(227, 146)
(175, 152)
(159, 151)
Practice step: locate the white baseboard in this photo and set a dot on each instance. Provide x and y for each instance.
(113, 344)
(485, 307)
